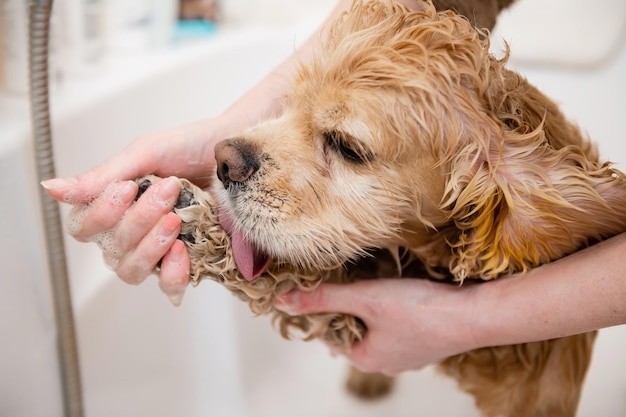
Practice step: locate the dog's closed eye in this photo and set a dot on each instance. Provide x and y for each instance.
(348, 148)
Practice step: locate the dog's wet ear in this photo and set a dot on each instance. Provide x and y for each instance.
(519, 107)
(525, 186)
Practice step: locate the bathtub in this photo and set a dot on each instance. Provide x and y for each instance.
(142, 357)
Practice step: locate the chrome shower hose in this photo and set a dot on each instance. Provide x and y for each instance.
(39, 22)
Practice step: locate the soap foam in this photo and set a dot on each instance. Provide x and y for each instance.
(156, 192)
(111, 253)
(105, 240)
(113, 190)
(75, 219)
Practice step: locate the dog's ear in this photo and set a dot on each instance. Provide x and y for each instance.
(526, 188)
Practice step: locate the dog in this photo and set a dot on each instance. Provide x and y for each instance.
(405, 144)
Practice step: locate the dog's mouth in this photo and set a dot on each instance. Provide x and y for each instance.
(250, 260)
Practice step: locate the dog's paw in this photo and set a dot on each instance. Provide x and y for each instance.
(368, 386)
(207, 242)
(186, 199)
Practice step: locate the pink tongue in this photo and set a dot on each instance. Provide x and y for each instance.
(250, 261)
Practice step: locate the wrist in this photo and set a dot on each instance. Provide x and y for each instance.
(476, 320)
(477, 311)
(262, 102)
(456, 317)
(482, 314)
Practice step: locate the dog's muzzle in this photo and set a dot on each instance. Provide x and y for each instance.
(237, 160)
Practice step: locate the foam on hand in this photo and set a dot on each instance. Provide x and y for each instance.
(76, 218)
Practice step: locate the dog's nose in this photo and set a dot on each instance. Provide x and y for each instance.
(236, 159)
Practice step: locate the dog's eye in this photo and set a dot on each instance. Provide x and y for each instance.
(348, 149)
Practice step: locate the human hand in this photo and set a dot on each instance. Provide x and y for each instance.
(410, 322)
(134, 236)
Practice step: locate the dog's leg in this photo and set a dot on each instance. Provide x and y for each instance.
(368, 386)
(541, 379)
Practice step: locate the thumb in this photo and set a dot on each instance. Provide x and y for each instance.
(327, 298)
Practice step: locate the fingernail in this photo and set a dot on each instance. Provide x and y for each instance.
(56, 183)
(166, 191)
(123, 193)
(128, 192)
(176, 299)
(168, 227)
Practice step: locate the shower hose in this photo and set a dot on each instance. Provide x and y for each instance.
(39, 22)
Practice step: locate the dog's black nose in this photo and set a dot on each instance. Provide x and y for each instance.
(237, 160)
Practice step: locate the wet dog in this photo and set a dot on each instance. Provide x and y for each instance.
(404, 142)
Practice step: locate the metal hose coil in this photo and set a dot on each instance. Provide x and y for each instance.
(39, 21)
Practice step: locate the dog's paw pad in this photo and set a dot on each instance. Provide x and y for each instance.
(185, 198)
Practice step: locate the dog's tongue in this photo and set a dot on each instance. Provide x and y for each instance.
(250, 261)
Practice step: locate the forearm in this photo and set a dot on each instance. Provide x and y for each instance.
(582, 292)
(265, 100)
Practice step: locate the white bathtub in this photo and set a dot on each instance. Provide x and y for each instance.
(142, 357)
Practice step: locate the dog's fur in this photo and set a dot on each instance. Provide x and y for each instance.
(406, 133)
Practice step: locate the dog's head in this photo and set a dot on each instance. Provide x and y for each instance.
(355, 160)
(380, 138)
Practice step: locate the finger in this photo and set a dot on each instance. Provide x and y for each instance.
(186, 151)
(141, 218)
(137, 265)
(86, 221)
(175, 268)
(335, 298)
(361, 356)
(358, 355)
(133, 162)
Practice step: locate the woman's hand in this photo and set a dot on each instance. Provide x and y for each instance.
(410, 323)
(135, 236)
(414, 322)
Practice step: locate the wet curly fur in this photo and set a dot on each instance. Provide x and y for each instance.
(211, 258)
(406, 139)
